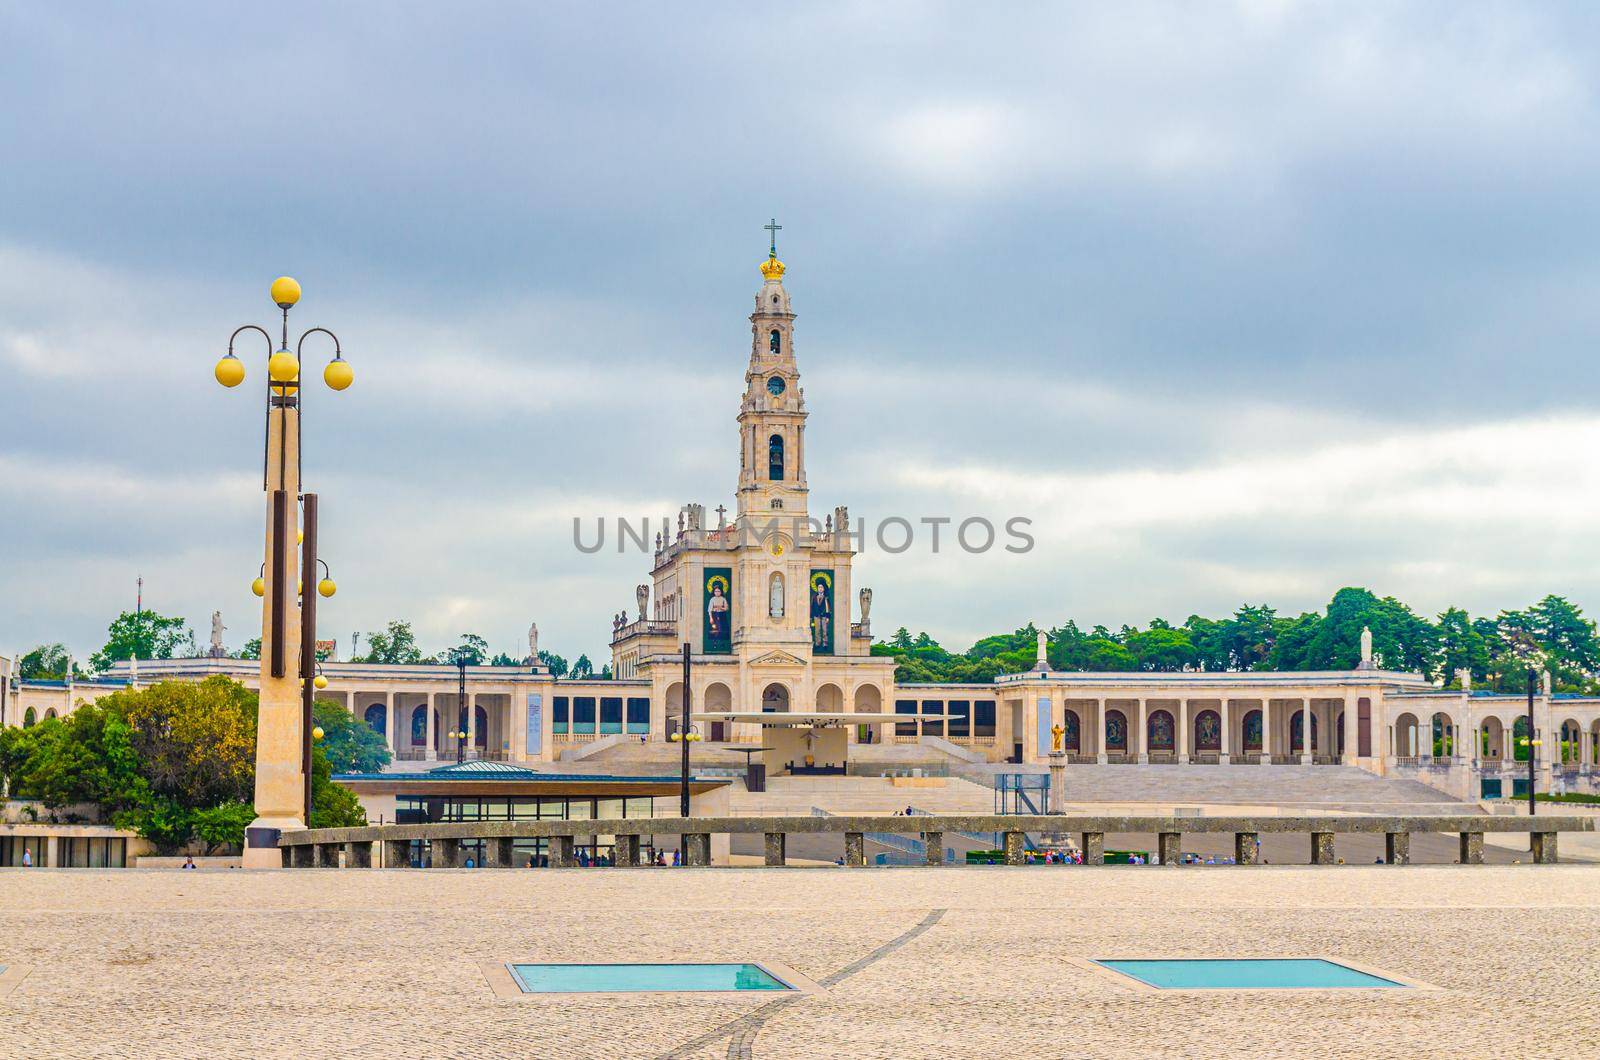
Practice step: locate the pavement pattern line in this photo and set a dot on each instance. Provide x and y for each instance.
(743, 1031)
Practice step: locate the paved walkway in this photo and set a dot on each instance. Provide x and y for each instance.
(915, 962)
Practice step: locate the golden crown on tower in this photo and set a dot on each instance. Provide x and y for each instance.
(772, 268)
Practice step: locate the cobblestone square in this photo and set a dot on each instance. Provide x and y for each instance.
(952, 962)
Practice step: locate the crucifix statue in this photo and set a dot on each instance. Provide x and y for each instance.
(774, 228)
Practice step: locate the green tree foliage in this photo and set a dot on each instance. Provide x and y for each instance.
(472, 646)
(396, 644)
(251, 649)
(348, 743)
(557, 665)
(1497, 651)
(332, 806)
(143, 635)
(47, 662)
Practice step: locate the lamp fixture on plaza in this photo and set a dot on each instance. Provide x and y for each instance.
(461, 657)
(289, 673)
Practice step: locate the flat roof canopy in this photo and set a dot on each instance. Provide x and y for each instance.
(784, 717)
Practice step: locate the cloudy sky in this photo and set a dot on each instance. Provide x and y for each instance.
(1237, 302)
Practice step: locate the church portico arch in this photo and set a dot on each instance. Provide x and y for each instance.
(775, 698)
(375, 719)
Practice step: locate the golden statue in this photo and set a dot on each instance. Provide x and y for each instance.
(1056, 732)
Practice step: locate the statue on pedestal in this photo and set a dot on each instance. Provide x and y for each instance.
(533, 642)
(643, 594)
(1056, 732)
(217, 650)
(866, 605)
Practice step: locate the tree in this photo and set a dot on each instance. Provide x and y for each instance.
(396, 645)
(583, 667)
(348, 743)
(1162, 648)
(196, 741)
(142, 635)
(474, 647)
(47, 662)
(332, 805)
(556, 664)
(1461, 646)
(251, 649)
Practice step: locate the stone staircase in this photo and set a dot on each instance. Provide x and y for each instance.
(796, 796)
(654, 757)
(1288, 787)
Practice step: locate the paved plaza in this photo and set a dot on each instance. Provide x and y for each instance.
(953, 962)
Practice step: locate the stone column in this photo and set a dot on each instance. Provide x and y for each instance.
(697, 849)
(472, 721)
(498, 853)
(1184, 725)
(1141, 745)
(625, 852)
(1244, 847)
(1472, 848)
(1058, 779)
(561, 852)
(358, 855)
(1352, 707)
(933, 844)
(431, 751)
(1169, 847)
(776, 849)
(1397, 848)
(1545, 849)
(1305, 732)
(396, 854)
(1099, 731)
(444, 853)
(1093, 845)
(855, 850)
(1322, 848)
(1227, 732)
(394, 722)
(1014, 849)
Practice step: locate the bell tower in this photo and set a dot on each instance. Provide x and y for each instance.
(772, 416)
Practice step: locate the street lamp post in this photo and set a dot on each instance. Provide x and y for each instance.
(461, 707)
(288, 616)
(1532, 743)
(685, 735)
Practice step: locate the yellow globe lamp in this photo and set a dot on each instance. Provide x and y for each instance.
(319, 681)
(338, 375)
(259, 587)
(282, 367)
(300, 588)
(299, 537)
(326, 587)
(285, 291)
(316, 732)
(230, 371)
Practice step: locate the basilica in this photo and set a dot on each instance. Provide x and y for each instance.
(760, 606)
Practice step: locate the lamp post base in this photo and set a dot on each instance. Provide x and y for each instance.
(261, 849)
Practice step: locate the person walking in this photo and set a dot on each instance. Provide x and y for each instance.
(27, 859)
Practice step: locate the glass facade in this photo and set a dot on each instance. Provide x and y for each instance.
(639, 715)
(583, 715)
(427, 809)
(610, 715)
(905, 728)
(80, 852)
(560, 714)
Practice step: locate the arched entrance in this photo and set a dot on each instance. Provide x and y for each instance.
(674, 708)
(1406, 736)
(1519, 739)
(377, 719)
(28, 718)
(1571, 737)
(718, 698)
(1494, 739)
(1338, 734)
(419, 726)
(775, 698)
(1116, 732)
(50, 715)
(1297, 734)
(1208, 731)
(830, 699)
(1250, 730)
(1440, 738)
(1072, 734)
(868, 701)
(480, 718)
(1161, 731)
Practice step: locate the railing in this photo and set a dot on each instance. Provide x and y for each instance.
(382, 845)
(1206, 758)
(1408, 761)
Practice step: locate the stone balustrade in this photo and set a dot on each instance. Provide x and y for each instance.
(388, 845)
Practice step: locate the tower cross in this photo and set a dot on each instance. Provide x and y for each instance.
(774, 227)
